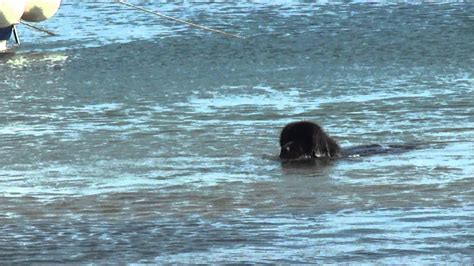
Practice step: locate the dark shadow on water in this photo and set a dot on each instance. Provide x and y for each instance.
(301, 163)
(374, 149)
(318, 163)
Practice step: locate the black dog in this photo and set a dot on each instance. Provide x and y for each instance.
(305, 140)
(299, 140)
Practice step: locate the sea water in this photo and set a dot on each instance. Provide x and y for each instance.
(129, 138)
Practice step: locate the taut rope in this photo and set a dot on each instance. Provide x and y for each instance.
(178, 20)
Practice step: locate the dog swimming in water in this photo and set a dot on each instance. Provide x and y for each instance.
(306, 140)
(303, 140)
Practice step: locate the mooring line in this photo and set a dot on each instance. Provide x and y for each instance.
(38, 28)
(178, 20)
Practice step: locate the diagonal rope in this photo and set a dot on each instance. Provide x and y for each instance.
(178, 20)
(38, 28)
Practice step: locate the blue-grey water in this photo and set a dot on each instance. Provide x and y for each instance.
(132, 139)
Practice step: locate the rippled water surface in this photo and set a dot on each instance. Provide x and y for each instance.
(129, 138)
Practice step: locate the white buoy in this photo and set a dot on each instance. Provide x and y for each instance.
(11, 12)
(39, 10)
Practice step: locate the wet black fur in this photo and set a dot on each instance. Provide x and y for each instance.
(305, 139)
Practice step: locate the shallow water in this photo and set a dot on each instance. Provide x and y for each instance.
(129, 138)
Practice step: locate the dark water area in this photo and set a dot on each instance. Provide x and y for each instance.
(133, 139)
